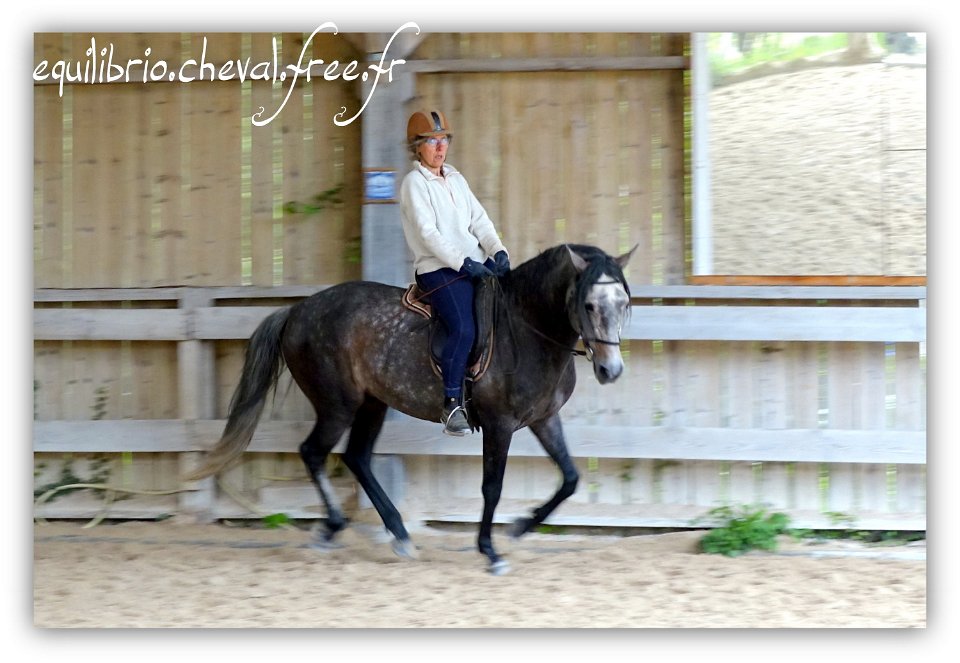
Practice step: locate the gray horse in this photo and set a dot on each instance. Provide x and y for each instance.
(354, 350)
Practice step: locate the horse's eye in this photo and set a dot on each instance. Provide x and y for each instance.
(588, 307)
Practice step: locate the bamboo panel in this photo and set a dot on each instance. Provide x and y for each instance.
(543, 180)
(571, 157)
(229, 356)
(261, 163)
(125, 172)
(105, 380)
(167, 239)
(636, 206)
(874, 494)
(299, 231)
(327, 162)
(910, 414)
(154, 381)
(703, 386)
(672, 171)
(605, 164)
(481, 119)
(773, 481)
(48, 380)
(633, 396)
(50, 199)
(87, 243)
(214, 200)
(516, 206)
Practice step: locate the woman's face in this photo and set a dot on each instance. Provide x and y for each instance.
(433, 152)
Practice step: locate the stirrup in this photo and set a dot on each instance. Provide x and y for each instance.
(455, 422)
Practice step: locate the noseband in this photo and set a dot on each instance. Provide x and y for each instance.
(588, 352)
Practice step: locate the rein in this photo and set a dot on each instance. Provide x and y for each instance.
(424, 295)
(588, 352)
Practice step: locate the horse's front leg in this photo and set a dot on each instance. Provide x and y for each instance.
(550, 433)
(496, 445)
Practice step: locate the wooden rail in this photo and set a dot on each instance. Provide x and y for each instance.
(726, 313)
(647, 322)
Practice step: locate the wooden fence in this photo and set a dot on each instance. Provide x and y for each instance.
(815, 408)
(161, 238)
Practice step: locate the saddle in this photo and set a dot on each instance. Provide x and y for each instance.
(484, 313)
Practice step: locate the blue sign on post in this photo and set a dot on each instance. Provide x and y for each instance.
(380, 186)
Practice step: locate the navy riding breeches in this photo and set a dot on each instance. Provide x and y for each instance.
(452, 300)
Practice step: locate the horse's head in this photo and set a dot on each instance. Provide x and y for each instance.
(598, 303)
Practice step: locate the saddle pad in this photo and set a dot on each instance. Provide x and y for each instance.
(412, 300)
(482, 351)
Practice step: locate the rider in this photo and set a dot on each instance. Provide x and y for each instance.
(453, 242)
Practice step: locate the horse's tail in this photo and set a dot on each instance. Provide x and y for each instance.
(261, 369)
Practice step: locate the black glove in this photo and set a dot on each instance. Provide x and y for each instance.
(502, 262)
(475, 269)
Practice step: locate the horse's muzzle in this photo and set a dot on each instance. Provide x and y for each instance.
(607, 371)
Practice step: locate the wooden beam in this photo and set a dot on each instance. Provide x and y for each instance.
(776, 323)
(228, 322)
(779, 292)
(213, 293)
(639, 291)
(51, 324)
(485, 65)
(683, 323)
(405, 436)
(850, 280)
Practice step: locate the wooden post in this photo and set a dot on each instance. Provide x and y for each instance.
(386, 257)
(197, 383)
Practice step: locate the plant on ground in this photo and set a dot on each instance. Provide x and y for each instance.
(276, 520)
(745, 528)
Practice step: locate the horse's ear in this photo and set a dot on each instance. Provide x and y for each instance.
(625, 258)
(578, 262)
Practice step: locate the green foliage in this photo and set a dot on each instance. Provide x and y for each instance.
(745, 529)
(317, 204)
(770, 47)
(100, 399)
(100, 473)
(276, 520)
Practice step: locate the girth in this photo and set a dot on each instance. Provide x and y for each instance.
(484, 313)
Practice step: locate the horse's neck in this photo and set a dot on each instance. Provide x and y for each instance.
(542, 301)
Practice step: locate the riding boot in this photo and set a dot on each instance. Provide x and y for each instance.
(454, 418)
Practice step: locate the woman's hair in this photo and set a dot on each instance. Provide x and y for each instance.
(414, 146)
(416, 142)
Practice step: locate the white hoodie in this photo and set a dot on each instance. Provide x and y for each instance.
(443, 221)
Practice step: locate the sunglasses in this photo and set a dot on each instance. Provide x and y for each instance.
(434, 141)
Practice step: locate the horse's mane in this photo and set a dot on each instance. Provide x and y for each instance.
(542, 267)
(545, 270)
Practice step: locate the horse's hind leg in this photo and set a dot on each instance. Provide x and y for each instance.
(314, 451)
(366, 426)
(550, 434)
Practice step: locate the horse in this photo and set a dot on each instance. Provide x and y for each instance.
(355, 351)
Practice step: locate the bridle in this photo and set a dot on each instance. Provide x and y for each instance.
(588, 351)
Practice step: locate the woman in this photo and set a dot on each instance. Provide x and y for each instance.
(453, 242)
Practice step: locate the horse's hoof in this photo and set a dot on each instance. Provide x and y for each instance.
(322, 544)
(519, 527)
(499, 568)
(405, 549)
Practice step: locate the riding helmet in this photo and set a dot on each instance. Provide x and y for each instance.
(424, 124)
